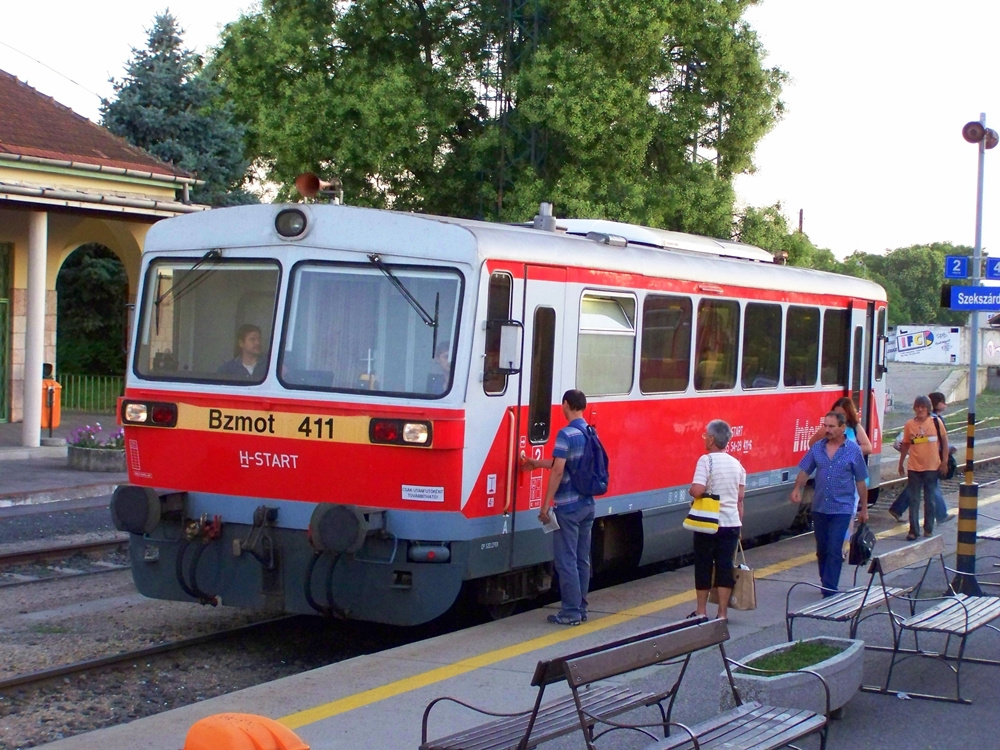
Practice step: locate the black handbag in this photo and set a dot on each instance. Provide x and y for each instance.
(862, 545)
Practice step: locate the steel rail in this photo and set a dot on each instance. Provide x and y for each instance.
(142, 653)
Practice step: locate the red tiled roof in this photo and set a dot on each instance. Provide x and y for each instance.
(32, 124)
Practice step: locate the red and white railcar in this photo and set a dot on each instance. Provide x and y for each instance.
(369, 467)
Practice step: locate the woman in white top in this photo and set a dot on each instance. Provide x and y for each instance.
(719, 474)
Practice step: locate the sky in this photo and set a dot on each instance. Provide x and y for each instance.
(869, 149)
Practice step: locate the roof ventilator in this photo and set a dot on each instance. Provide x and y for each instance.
(614, 240)
(544, 219)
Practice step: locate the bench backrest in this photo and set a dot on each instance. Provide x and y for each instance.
(650, 649)
(549, 671)
(910, 554)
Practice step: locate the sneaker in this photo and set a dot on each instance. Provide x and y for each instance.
(911, 537)
(945, 519)
(894, 514)
(928, 533)
(561, 619)
(583, 617)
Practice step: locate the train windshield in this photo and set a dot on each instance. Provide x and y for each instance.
(359, 328)
(207, 320)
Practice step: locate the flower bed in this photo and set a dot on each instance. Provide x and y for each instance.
(88, 450)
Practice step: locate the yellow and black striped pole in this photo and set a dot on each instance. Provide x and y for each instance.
(968, 511)
(968, 493)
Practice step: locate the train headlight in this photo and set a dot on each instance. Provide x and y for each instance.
(290, 222)
(416, 432)
(399, 432)
(151, 414)
(135, 413)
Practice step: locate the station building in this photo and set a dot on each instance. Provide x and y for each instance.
(64, 182)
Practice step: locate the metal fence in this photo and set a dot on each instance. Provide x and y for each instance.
(96, 394)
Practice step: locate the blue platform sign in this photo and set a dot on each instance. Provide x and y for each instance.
(993, 268)
(957, 267)
(972, 298)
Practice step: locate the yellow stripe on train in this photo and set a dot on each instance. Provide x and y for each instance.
(286, 425)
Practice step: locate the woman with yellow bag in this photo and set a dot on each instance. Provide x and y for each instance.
(717, 488)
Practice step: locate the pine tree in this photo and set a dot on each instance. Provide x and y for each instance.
(169, 105)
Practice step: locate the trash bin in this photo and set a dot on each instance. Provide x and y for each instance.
(51, 403)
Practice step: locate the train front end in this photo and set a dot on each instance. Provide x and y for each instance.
(293, 414)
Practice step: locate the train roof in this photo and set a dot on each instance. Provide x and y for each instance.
(590, 243)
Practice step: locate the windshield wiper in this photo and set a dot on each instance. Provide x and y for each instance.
(179, 291)
(424, 315)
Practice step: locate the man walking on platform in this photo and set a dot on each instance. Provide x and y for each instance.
(574, 512)
(840, 468)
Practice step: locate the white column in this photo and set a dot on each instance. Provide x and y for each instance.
(34, 343)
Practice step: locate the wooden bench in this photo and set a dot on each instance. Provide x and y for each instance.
(593, 705)
(857, 604)
(956, 616)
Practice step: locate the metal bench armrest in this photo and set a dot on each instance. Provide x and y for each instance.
(826, 688)
(616, 725)
(427, 712)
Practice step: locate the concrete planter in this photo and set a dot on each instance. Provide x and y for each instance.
(843, 674)
(96, 459)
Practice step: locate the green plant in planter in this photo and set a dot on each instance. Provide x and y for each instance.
(800, 655)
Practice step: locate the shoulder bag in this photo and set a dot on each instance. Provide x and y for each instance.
(744, 594)
(703, 516)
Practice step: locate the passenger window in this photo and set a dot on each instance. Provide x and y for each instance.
(606, 344)
(761, 358)
(542, 352)
(801, 346)
(665, 359)
(718, 334)
(497, 311)
(834, 369)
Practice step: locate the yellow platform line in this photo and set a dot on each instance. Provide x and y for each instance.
(563, 635)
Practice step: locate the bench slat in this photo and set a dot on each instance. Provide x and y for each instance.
(949, 616)
(751, 726)
(992, 533)
(632, 656)
(907, 555)
(845, 605)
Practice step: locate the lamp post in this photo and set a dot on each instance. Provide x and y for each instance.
(968, 493)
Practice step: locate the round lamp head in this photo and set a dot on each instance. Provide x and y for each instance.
(973, 132)
(308, 184)
(991, 138)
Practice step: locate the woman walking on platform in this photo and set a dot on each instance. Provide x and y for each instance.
(920, 443)
(720, 474)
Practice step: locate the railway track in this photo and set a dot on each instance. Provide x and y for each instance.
(116, 660)
(55, 562)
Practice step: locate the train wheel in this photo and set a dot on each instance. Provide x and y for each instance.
(500, 611)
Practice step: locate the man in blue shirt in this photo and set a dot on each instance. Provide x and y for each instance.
(840, 468)
(574, 512)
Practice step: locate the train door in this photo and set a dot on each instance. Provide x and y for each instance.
(861, 343)
(539, 394)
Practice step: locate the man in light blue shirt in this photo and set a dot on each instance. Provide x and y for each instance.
(840, 468)
(574, 512)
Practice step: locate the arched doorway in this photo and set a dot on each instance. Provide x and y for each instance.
(92, 294)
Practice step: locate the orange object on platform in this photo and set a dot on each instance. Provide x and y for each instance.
(56, 409)
(241, 732)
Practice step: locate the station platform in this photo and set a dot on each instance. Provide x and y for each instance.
(378, 700)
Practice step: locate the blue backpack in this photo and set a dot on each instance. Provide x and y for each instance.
(589, 473)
